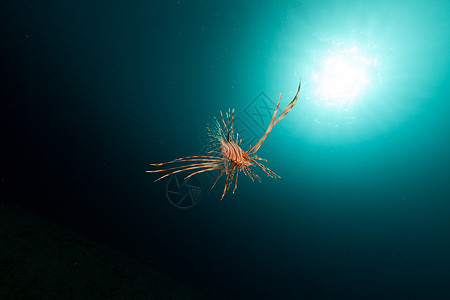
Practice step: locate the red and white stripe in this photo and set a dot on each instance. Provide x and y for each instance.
(234, 153)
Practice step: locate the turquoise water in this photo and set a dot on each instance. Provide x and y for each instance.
(361, 210)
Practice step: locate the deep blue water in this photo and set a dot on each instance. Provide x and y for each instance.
(93, 92)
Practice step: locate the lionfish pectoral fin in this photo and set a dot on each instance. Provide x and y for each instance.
(268, 171)
(220, 175)
(230, 175)
(198, 163)
(201, 171)
(259, 158)
(235, 183)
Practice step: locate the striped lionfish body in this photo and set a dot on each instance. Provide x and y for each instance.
(226, 154)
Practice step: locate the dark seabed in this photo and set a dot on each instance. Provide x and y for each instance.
(93, 92)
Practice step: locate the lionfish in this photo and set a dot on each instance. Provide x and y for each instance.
(229, 158)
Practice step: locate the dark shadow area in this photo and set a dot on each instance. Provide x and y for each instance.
(45, 261)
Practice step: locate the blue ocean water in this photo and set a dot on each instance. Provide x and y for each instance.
(98, 91)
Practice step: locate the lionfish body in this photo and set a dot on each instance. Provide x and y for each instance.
(226, 154)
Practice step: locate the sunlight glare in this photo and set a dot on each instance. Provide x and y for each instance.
(342, 78)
